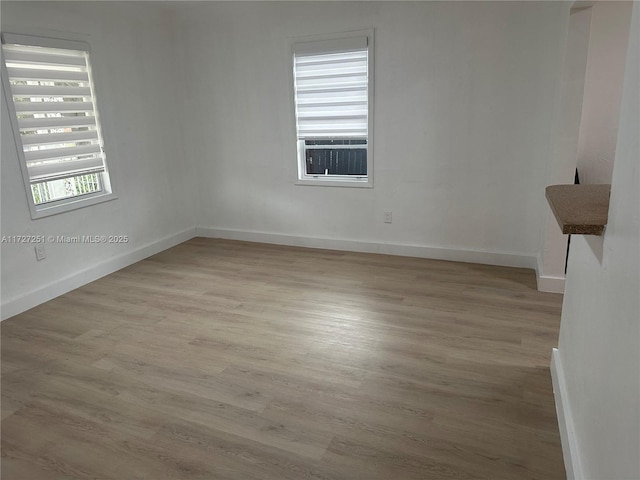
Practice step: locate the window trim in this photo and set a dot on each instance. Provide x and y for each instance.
(335, 180)
(64, 204)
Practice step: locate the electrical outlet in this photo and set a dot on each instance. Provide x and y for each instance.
(40, 252)
(388, 217)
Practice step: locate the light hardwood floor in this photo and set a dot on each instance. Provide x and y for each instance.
(229, 360)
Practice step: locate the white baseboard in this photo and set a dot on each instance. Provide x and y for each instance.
(548, 283)
(565, 420)
(437, 253)
(48, 292)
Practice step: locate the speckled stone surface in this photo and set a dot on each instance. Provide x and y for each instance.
(580, 209)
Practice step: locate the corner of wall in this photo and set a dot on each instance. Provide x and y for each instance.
(48, 292)
(548, 283)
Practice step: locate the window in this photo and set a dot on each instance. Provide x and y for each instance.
(51, 97)
(333, 92)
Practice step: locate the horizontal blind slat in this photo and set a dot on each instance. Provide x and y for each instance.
(52, 138)
(56, 122)
(47, 171)
(331, 46)
(357, 56)
(22, 107)
(326, 124)
(16, 73)
(49, 91)
(355, 73)
(328, 88)
(40, 58)
(330, 102)
(336, 83)
(337, 133)
(28, 43)
(360, 64)
(334, 115)
(54, 153)
(327, 127)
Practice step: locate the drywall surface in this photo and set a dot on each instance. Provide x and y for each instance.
(132, 56)
(196, 107)
(603, 90)
(565, 148)
(600, 328)
(464, 107)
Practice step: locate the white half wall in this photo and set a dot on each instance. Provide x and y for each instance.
(570, 451)
(132, 56)
(599, 344)
(608, 37)
(564, 157)
(464, 108)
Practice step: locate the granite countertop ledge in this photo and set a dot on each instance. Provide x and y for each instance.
(580, 209)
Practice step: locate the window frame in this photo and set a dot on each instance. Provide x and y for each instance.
(352, 181)
(67, 204)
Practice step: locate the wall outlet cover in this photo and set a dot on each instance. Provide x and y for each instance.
(41, 254)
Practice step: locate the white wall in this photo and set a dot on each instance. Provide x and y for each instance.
(603, 90)
(589, 110)
(599, 343)
(132, 53)
(196, 109)
(564, 157)
(464, 105)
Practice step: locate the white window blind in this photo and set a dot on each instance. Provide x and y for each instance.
(55, 108)
(331, 89)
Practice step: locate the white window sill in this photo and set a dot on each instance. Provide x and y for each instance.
(321, 182)
(68, 205)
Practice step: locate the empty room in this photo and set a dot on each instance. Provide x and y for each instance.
(320, 240)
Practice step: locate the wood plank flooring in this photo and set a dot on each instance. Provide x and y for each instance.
(228, 360)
